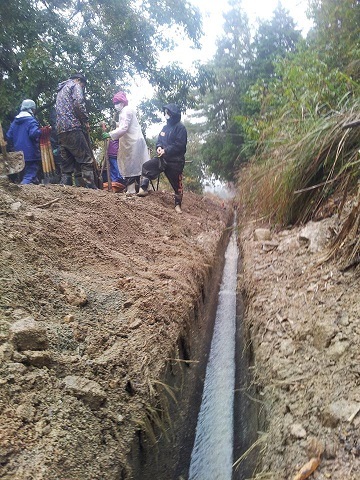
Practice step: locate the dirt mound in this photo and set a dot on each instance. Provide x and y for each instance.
(95, 290)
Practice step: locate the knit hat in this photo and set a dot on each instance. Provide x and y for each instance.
(27, 105)
(120, 97)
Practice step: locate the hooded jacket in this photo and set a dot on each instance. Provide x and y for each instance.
(173, 136)
(70, 107)
(24, 134)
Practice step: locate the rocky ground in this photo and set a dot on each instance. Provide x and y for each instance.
(303, 317)
(96, 289)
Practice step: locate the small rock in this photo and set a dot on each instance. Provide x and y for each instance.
(113, 383)
(337, 350)
(26, 412)
(88, 391)
(290, 244)
(6, 352)
(269, 245)
(315, 235)
(18, 357)
(15, 206)
(3, 337)
(135, 324)
(297, 430)
(341, 410)
(74, 295)
(19, 314)
(323, 333)
(38, 358)
(287, 347)
(30, 216)
(343, 319)
(262, 234)
(26, 334)
(68, 318)
(15, 367)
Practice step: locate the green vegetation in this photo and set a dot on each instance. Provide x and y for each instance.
(275, 116)
(43, 41)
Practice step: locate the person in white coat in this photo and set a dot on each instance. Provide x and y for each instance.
(133, 151)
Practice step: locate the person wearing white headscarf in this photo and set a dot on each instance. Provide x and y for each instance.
(133, 151)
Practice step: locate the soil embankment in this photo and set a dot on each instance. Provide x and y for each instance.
(302, 316)
(102, 298)
(97, 293)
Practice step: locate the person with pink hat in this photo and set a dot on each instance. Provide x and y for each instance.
(133, 151)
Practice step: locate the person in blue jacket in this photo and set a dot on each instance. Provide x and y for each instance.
(170, 149)
(24, 135)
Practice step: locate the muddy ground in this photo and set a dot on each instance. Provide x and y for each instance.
(97, 289)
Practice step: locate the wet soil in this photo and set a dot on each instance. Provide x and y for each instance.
(98, 288)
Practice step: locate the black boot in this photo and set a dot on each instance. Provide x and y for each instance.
(178, 200)
(78, 180)
(66, 179)
(89, 179)
(143, 191)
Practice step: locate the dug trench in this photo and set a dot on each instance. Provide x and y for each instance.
(107, 308)
(163, 449)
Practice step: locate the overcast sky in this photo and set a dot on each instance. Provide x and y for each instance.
(212, 12)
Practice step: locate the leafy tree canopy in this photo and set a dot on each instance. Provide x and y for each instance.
(43, 41)
(242, 58)
(274, 39)
(336, 32)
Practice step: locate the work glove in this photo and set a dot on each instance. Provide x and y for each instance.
(105, 135)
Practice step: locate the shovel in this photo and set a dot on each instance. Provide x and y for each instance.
(47, 157)
(10, 162)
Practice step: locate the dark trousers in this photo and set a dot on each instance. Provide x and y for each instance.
(75, 152)
(173, 171)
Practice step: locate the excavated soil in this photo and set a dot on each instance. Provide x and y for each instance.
(97, 289)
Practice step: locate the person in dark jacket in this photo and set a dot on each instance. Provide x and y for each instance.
(24, 135)
(72, 125)
(170, 148)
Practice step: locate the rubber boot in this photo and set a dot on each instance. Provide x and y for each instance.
(144, 185)
(66, 179)
(178, 199)
(78, 180)
(89, 179)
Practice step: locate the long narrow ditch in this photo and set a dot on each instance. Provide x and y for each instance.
(209, 418)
